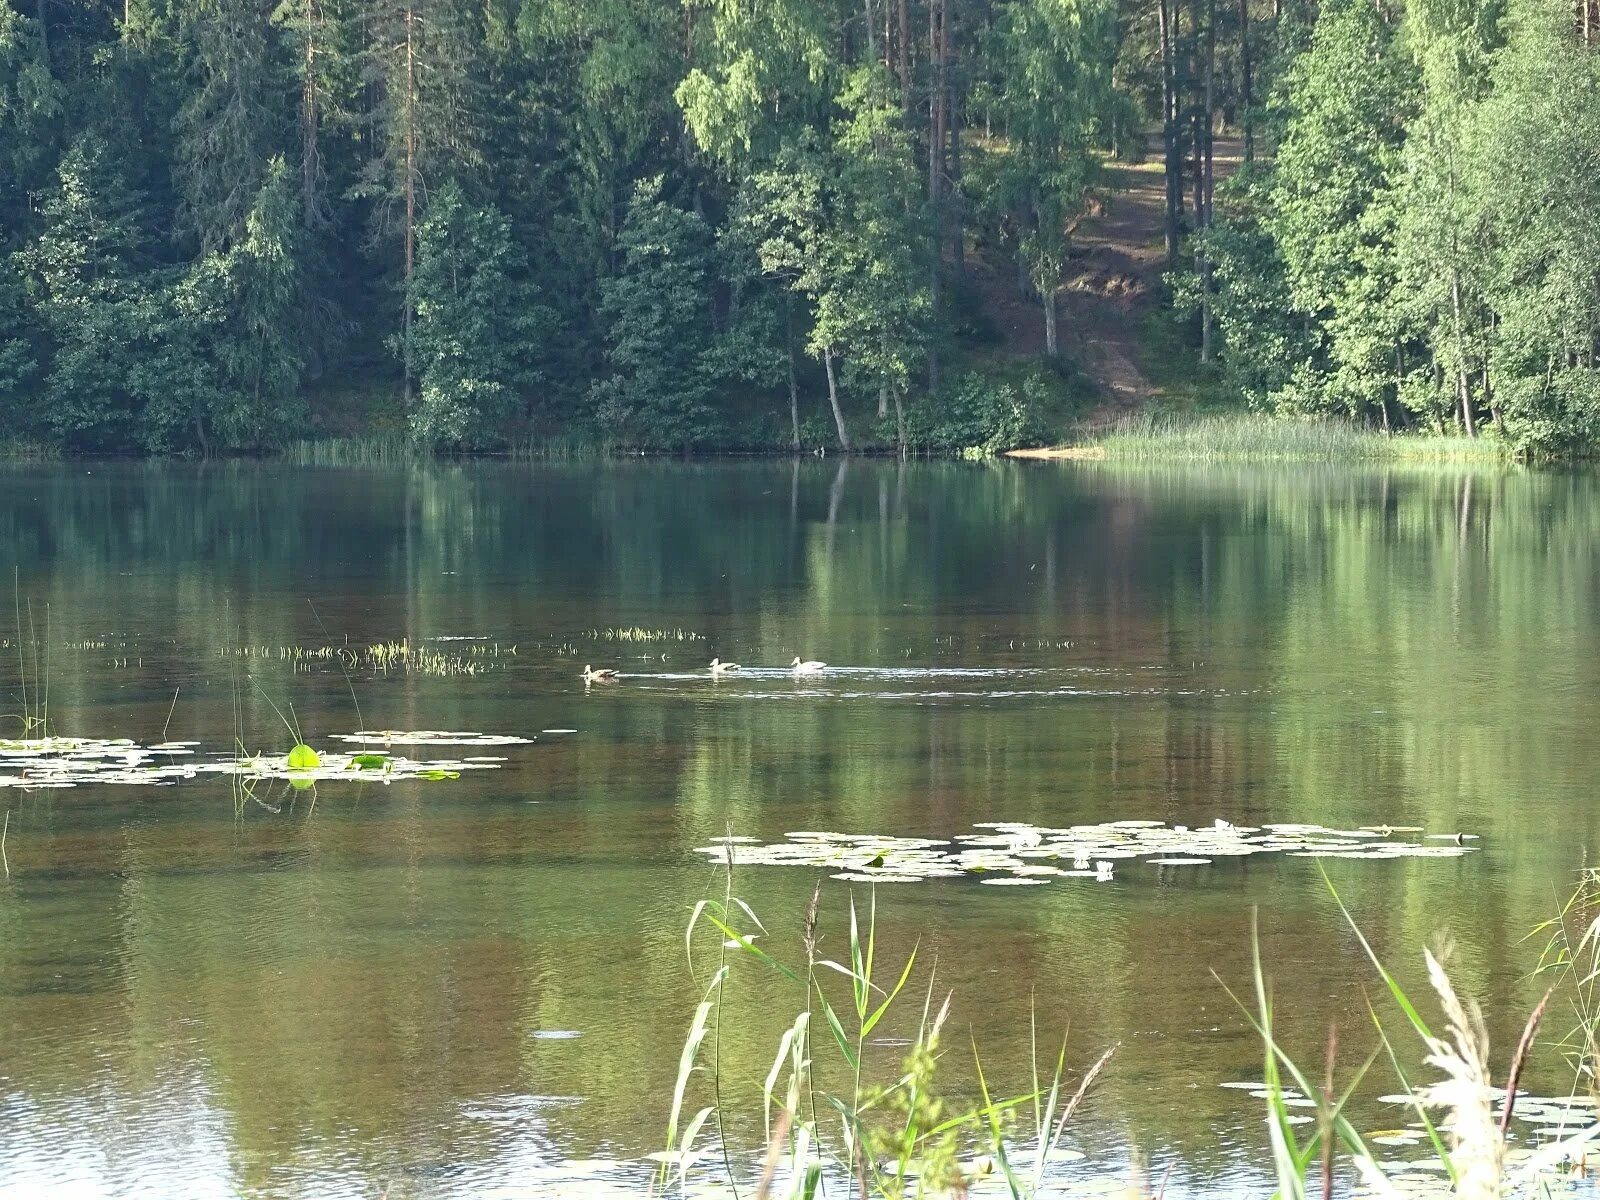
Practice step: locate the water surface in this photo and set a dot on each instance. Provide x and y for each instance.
(358, 996)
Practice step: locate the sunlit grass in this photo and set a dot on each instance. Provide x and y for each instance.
(370, 450)
(1251, 436)
(385, 658)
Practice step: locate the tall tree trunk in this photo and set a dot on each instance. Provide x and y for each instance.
(833, 400)
(1169, 128)
(1048, 296)
(1196, 115)
(954, 97)
(310, 128)
(794, 384)
(1203, 209)
(410, 185)
(883, 399)
(1246, 82)
(900, 421)
(872, 33)
(903, 57)
(936, 136)
(1463, 388)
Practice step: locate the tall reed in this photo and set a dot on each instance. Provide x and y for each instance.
(1251, 436)
(891, 1137)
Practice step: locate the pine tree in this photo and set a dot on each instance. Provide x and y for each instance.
(658, 319)
(477, 338)
(89, 272)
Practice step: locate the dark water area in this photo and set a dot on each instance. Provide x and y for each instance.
(352, 992)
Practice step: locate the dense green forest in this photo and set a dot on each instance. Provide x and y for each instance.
(757, 223)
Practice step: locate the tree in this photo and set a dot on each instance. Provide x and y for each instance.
(1438, 236)
(478, 335)
(1053, 56)
(1532, 173)
(30, 104)
(1313, 232)
(88, 275)
(428, 123)
(231, 123)
(219, 360)
(657, 316)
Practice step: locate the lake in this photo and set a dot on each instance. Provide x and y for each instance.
(478, 985)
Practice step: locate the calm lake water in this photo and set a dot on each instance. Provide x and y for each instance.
(352, 994)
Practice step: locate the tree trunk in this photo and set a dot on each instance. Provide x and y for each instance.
(833, 400)
(1203, 208)
(1246, 82)
(883, 400)
(903, 57)
(1169, 129)
(936, 137)
(410, 185)
(900, 420)
(794, 385)
(872, 34)
(958, 232)
(1197, 114)
(1463, 389)
(310, 149)
(1048, 295)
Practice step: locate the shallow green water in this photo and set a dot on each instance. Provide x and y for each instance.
(346, 999)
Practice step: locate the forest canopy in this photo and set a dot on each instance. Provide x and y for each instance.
(721, 223)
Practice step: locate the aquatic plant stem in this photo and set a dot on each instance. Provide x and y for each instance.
(716, 1029)
(1524, 1046)
(167, 724)
(22, 662)
(361, 722)
(4, 830)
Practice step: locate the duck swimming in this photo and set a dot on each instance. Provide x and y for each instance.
(603, 675)
(809, 667)
(718, 667)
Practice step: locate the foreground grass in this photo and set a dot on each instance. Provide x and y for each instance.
(1253, 437)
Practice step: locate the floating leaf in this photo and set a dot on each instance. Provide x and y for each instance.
(304, 758)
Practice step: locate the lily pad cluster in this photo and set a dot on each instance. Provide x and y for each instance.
(1014, 853)
(1412, 1167)
(63, 762)
(430, 737)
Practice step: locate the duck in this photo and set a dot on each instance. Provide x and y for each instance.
(718, 667)
(810, 667)
(603, 675)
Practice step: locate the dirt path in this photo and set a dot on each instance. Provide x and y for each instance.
(1111, 281)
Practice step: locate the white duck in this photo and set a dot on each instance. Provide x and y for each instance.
(718, 667)
(603, 675)
(810, 667)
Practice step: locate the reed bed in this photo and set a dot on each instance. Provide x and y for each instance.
(1254, 437)
(370, 450)
(897, 1137)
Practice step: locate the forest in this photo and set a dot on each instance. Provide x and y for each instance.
(754, 224)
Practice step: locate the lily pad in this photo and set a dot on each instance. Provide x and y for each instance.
(304, 758)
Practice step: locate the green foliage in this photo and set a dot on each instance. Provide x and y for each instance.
(1055, 57)
(479, 329)
(1425, 246)
(88, 278)
(210, 209)
(982, 416)
(657, 315)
